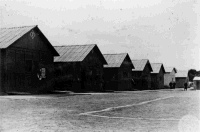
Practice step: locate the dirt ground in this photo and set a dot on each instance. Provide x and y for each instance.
(134, 111)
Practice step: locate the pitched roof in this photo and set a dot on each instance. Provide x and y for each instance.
(115, 60)
(75, 53)
(181, 74)
(140, 64)
(10, 35)
(170, 69)
(156, 67)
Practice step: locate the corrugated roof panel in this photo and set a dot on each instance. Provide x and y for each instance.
(139, 64)
(170, 69)
(156, 67)
(114, 60)
(76, 57)
(4, 35)
(13, 36)
(181, 74)
(82, 57)
(9, 35)
(5, 39)
(86, 52)
(77, 54)
(73, 53)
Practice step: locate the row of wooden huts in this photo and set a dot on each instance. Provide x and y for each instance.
(29, 63)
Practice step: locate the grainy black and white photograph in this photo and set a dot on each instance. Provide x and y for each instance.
(99, 65)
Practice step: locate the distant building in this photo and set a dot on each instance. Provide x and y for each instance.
(79, 68)
(26, 60)
(169, 75)
(157, 76)
(118, 72)
(196, 81)
(181, 78)
(142, 74)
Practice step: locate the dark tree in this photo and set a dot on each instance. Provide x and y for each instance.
(198, 73)
(191, 74)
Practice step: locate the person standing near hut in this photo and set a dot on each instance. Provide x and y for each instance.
(185, 86)
(170, 85)
(174, 84)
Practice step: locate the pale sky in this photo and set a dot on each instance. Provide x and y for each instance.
(164, 31)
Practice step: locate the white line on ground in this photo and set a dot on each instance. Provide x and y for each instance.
(112, 108)
(134, 118)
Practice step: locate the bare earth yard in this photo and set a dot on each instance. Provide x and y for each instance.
(143, 111)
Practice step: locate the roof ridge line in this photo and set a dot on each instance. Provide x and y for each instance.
(73, 45)
(115, 54)
(140, 59)
(18, 27)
